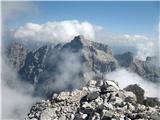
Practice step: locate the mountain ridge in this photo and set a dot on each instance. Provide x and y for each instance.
(43, 66)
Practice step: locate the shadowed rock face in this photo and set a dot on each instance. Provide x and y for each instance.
(98, 100)
(34, 65)
(125, 59)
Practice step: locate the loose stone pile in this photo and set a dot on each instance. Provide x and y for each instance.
(98, 100)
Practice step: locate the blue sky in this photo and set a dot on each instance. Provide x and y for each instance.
(115, 17)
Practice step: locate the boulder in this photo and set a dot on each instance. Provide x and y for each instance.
(155, 116)
(107, 115)
(91, 83)
(92, 95)
(63, 96)
(109, 86)
(151, 101)
(130, 97)
(138, 91)
(48, 114)
(108, 106)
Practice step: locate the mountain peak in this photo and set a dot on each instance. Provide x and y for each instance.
(82, 40)
(78, 43)
(79, 37)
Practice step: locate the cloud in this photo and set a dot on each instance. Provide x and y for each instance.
(62, 31)
(69, 76)
(157, 43)
(16, 96)
(125, 78)
(15, 105)
(143, 45)
(66, 73)
(11, 10)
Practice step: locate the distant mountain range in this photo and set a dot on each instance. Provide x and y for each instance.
(78, 61)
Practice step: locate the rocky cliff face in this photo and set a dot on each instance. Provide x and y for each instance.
(43, 65)
(125, 60)
(17, 54)
(76, 62)
(98, 100)
(146, 69)
(34, 65)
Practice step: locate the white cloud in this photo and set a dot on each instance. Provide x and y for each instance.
(16, 95)
(12, 9)
(125, 78)
(143, 44)
(157, 51)
(62, 31)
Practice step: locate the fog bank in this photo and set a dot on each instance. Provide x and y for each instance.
(125, 78)
(16, 96)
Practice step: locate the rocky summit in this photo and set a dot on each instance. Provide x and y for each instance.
(98, 100)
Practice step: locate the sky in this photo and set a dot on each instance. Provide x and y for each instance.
(115, 17)
(125, 26)
(133, 27)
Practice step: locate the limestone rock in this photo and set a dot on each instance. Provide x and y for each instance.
(138, 91)
(92, 95)
(63, 96)
(151, 101)
(84, 104)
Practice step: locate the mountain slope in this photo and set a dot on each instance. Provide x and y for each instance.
(146, 69)
(78, 60)
(70, 65)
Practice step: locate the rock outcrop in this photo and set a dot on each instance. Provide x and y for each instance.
(34, 65)
(146, 69)
(17, 54)
(138, 91)
(125, 60)
(98, 100)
